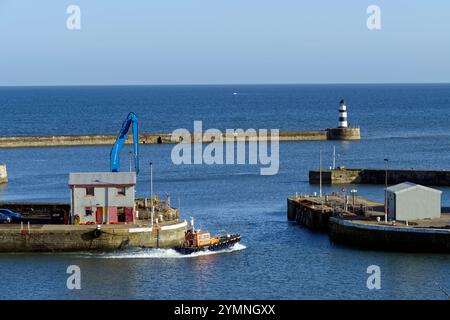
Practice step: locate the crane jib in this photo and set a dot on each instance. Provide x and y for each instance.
(120, 141)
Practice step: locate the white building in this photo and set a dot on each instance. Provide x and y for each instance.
(408, 201)
(102, 197)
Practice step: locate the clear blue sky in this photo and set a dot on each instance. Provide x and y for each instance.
(223, 41)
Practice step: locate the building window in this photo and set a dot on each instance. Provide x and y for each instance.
(90, 191)
(88, 211)
(121, 191)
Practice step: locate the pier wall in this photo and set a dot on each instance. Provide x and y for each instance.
(343, 134)
(55, 238)
(307, 214)
(378, 176)
(3, 174)
(157, 138)
(77, 140)
(389, 238)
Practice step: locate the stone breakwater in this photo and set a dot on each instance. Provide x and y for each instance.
(378, 176)
(158, 138)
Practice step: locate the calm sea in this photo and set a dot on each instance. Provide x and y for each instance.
(409, 124)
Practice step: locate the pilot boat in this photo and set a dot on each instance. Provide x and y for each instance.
(198, 240)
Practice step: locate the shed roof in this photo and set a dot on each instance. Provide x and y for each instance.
(405, 186)
(102, 178)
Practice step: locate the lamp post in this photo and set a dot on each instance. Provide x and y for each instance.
(353, 192)
(151, 193)
(386, 164)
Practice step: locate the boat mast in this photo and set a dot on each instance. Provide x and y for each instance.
(334, 157)
(320, 172)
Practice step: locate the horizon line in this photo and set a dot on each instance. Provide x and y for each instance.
(224, 84)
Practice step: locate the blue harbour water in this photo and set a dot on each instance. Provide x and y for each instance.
(409, 124)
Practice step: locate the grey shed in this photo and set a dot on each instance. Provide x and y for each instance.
(408, 201)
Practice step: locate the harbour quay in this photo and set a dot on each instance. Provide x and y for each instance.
(412, 219)
(71, 238)
(314, 212)
(47, 227)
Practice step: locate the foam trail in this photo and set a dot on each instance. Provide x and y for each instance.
(162, 253)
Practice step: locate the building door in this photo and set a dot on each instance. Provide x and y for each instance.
(112, 212)
(99, 215)
(129, 215)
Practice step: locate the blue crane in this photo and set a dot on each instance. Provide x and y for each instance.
(121, 138)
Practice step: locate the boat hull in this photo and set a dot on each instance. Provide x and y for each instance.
(224, 243)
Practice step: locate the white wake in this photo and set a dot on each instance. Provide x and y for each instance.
(163, 253)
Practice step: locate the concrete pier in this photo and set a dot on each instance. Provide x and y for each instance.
(65, 238)
(314, 212)
(3, 174)
(378, 176)
(308, 212)
(158, 138)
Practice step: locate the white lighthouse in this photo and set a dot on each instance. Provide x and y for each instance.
(342, 115)
(343, 132)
